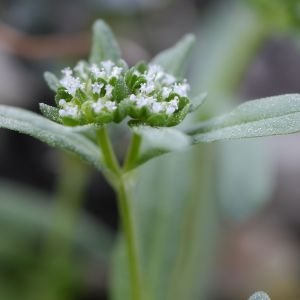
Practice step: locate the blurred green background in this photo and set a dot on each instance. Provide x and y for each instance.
(217, 222)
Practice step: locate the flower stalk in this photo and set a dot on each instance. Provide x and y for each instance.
(120, 184)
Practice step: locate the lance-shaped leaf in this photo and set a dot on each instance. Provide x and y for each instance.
(158, 141)
(264, 117)
(50, 112)
(174, 60)
(55, 135)
(52, 81)
(198, 101)
(104, 44)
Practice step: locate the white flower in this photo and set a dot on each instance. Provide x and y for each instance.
(181, 89)
(147, 88)
(71, 84)
(154, 69)
(101, 104)
(110, 106)
(94, 80)
(166, 92)
(168, 79)
(157, 107)
(62, 102)
(107, 65)
(133, 97)
(96, 87)
(116, 72)
(67, 71)
(97, 106)
(142, 101)
(69, 111)
(97, 72)
(172, 106)
(154, 73)
(108, 90)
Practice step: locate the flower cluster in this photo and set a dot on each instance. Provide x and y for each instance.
(109, 92)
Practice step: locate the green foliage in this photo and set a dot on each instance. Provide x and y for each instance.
(283, 13)
(175, 59)
(263, 117)
(158, 141)
(50, 112)
(53, 134)
(160, 254)
(104, 44)
(52, 81)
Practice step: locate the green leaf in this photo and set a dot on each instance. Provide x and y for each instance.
(175, 226)
(104, 44)
(52, 81)
(269, 116)
(158, 141)
(50, 112)
(197, 102)
(260, 296)
(174, 60)
(53, 134)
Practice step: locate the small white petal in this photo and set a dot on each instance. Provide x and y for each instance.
(181, 89)
(170, 110)
(168, 79)
(141, 101)
(97, 106)
(157, 107)
(96, 87)
(61, 112)
(108, 90)
(71, 84)
(166, 92)
(132, 98)
(97, 72)
(147, 88)
(172, 106)
(154, 69)
(110, 105)
(62, 102)
(107, 65)
(67, 71)
(116, 72)
(69, 111)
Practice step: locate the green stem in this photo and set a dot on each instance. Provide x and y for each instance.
(127, 219)
(119, 182)
(108, 152)
(133, 152)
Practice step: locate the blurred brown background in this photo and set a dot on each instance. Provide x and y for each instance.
(257, 250)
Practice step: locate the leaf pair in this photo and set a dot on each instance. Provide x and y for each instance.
(264, 117)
